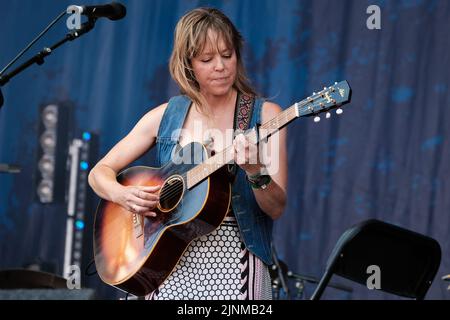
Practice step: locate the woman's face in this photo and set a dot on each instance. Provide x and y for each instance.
(215, 67)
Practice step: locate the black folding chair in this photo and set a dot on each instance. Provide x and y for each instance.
(407, 261)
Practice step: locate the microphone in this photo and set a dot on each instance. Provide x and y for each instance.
(112, 11)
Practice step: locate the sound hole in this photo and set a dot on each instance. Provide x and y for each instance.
(171, 193)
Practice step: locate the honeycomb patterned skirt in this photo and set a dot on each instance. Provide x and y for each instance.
(217, 266)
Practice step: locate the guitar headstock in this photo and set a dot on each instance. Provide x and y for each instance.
(329, 98)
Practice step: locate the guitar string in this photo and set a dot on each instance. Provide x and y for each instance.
(170, 192)
(107, 238)
(129, 228)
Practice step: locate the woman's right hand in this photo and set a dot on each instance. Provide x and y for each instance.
(138, 199)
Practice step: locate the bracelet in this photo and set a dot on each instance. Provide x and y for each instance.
(259, 181)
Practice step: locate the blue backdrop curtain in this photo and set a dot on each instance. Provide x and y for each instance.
(387, 157)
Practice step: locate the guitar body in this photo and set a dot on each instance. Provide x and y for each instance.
(136, 253)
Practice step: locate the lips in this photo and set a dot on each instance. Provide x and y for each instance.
(221, 79)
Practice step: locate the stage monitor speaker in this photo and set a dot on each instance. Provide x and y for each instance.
(47, 294)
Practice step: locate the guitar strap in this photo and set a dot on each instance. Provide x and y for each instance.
(243, 112)
(242, 117)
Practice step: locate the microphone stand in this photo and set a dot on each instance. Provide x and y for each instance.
(39, 57)
(8, 168)
(280, 274)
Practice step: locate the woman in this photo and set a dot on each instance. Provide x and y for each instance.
(231, 262)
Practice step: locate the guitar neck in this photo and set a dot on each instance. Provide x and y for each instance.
(255, 135)
(323, 101)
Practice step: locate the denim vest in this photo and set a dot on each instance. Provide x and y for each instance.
(254, 224)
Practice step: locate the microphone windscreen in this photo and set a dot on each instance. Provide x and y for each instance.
(119, 11)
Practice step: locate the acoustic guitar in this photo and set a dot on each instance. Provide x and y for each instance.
(136, 253)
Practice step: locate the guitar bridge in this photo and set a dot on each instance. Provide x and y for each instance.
(137, 225)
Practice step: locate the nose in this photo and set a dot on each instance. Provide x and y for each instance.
(219, 65)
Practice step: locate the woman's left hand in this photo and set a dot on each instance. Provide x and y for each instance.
(246, 155)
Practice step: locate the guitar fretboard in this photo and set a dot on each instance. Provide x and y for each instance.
(226, 156)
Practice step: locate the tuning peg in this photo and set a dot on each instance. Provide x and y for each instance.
(328, 115)
(339, 111)
(317, 119)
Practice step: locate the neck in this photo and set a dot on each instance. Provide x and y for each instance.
(217, 104)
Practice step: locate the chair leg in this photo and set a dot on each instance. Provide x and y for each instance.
(322, 285)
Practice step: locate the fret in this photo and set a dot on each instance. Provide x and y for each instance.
(205, 169)
(282, 119)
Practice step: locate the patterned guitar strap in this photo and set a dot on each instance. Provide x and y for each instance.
(242, 116)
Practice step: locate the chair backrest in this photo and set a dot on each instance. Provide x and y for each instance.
(407, 261)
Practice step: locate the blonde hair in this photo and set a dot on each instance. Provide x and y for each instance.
(190, 39)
